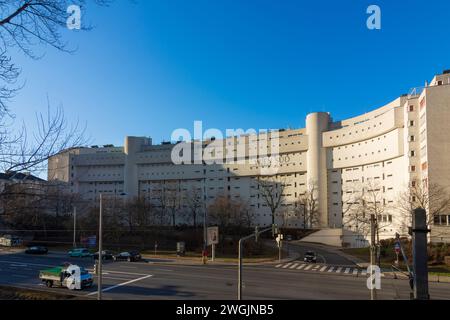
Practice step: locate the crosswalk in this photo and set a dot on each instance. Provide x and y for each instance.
(344, 270)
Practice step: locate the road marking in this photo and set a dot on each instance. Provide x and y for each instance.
(331, 269)
(347, 271)
(278, 265)
(293, 266)
(122, 272)
(18, 265)
(308, 267)
(287, 265)
(315, 268)
(323, 268)
(339, 270)
(121, 285)
(301, 266)
(355, 271)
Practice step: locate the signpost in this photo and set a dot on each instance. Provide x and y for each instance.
(279, 240)
(213, 239)
(397, 252)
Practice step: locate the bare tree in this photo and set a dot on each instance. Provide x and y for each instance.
(26, 24)
(434, 198)
(271, 191)
(194, 202)
(368, 199)
(228, 213)
(308, 206)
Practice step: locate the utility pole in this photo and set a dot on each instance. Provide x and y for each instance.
(373, 293)
(256, 235)
(420, 258)
(74, 227)
(100, 250)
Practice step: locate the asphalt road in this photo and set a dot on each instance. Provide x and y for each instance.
(141, 280)
(325, 254)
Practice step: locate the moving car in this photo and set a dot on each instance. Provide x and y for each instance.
(128, 256)
(36, 250)
(106, 255)
(310, 256)
(71, 276)
(79, 253)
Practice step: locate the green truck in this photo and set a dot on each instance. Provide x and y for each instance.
(71, 276)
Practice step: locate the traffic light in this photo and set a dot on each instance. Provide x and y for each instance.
(256, 233)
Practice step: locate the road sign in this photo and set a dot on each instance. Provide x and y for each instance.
(213, 235)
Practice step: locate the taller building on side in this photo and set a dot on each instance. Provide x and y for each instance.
(355, 167)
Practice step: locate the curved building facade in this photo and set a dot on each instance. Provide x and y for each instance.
(354, 167)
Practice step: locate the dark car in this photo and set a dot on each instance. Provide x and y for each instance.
(106, 255)
(37, 250)
(310, 256)
(127, 256)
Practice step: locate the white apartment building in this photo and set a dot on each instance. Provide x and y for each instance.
(382, 152)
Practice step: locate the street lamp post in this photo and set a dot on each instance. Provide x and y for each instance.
(100, 249)
(74, 226)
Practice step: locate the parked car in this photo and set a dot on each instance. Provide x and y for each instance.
(36, 250)
(128, 256)
(106, 255)
(79, 253)
(310, 256)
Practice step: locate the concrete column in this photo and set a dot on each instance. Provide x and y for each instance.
(316, 123)
(132, 146)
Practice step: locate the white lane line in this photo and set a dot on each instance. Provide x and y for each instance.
(355, 272)
(18, 265)
(331, 269)
(293, 266)
(287, 265)
(323, 268)
(339, 270)
(278, 265)
(347, 270)
(300, 267)
(121, 285)
(120, 272)
(308, 267)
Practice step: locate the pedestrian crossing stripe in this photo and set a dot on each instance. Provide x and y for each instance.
(322, 268)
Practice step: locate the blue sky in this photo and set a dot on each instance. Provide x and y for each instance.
(157, 65)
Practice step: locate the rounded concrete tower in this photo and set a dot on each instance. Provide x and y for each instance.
(316, 160)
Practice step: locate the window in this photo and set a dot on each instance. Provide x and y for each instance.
(412, 168)
(411, 108)
(412, 153)
(412, 138)
(411, 123)
(440, 83)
